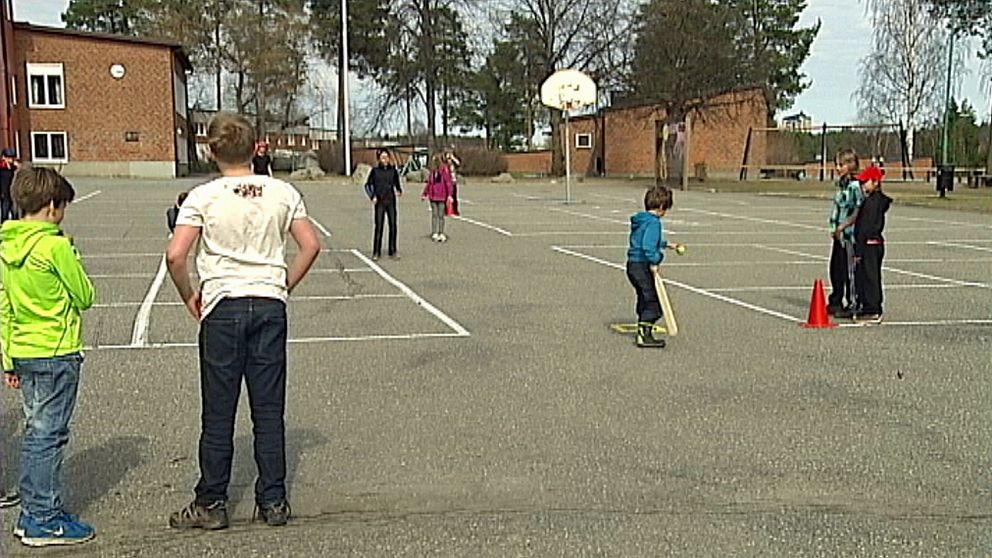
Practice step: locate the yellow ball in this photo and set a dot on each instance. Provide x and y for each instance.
(680, 250)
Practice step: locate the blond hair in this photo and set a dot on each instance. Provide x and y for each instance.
(849, 157)
(231, 138)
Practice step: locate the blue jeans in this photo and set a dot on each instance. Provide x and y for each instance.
(48, 386)
(243, 338)
(642, 279)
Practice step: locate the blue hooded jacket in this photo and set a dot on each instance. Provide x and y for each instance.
(647, 239)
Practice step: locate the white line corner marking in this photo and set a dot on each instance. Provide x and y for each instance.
(461, 331)
(139, 335)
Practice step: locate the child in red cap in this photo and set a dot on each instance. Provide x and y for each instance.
(869, 246)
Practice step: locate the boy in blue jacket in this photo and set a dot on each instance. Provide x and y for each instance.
(647, 241)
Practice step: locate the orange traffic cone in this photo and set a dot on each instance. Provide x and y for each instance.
(818, 316)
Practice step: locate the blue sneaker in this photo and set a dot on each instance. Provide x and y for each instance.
(65, 529)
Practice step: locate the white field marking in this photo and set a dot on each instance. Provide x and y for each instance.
(944, 222)
(755, 219)
(296, 341)
(884, 267)
(589, 216)
(346, 270)
(89, 256)
(921, 323)
(419, 300)
(791, 244)
(465, 201)
(570, 233)
(291, 299)
(494, 228)
(959, 245)
(529, 198)
(139, 334)
(323, 230)
(888, 287)
(742, 263)
(120, 275)
(92, 194)
(690, 288)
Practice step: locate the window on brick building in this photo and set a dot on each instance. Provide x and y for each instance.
(49, 147)
(583, 141)
(46, 86)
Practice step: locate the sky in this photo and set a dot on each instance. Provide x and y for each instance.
(844, 39)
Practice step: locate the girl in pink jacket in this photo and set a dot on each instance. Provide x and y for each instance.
(438, 191)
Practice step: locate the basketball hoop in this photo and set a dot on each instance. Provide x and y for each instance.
(568, 90)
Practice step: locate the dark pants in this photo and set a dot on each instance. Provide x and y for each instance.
(842, 275)
(869, 279)
(642, 278)
(6, 208)
(382, 211)
(243, 338)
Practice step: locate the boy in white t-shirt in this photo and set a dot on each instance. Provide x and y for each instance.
(241, 221)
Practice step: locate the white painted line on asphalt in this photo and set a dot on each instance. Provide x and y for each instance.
(921, 323)
(755, 219)
(959, 245)
(323, 230)
(589, 216)
(124, 255)
(315, 298)
(120, 276)
(346, 270)
(296, 341)
(419, 300)
(793, 244)
(494, 228)
(690, 288)
(571, 233)
(884, 267)
(88, 196)
(944, 222)
(888, 287)
(139, 335)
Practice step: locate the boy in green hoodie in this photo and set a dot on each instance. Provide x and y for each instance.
(44, 291)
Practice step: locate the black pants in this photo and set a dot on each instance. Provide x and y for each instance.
(243, 338)
(868, 279)
(642, 279)
(842, 275)
(6, 208)
(382, 211)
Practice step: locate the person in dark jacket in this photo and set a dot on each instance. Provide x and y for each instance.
(644, 255)
(869, 246)
(8, 166)
(382, 187)
(172, 213)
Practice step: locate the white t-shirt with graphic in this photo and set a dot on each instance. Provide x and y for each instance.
(244, 221)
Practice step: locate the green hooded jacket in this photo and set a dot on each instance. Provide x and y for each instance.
(44, 290)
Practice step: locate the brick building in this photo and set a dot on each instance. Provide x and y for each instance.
(94, 104)
(628, 140)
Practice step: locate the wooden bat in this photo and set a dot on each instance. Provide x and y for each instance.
(666, 306)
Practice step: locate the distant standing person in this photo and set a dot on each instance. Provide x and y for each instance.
(869, 246)
(261, 163)
(8, 166)
(454, 163)
(438, 192)
(382, 187)
(847, 200)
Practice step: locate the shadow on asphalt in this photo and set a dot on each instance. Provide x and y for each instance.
(95, 472)
(243, 474)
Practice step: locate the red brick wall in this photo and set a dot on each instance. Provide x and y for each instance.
(533, 162)
(99, 109)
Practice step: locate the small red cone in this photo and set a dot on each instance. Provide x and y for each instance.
(818, 316)
(449, 208)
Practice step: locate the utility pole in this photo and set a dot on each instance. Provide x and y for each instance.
(346, 124)
(944, 143)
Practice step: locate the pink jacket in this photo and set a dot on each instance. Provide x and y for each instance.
(439, 185)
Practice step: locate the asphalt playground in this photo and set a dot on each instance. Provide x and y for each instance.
(471, 399)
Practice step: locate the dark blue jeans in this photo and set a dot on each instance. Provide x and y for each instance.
(48, 386)
(243, 338)
(642, 279)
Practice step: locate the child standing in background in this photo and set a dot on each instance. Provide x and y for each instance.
(453, 164)
(869, 246)
(438, 191)
(846, 202)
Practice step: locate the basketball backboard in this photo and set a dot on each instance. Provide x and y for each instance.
(568, 90)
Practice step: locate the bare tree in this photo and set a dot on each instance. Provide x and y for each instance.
(901, 79)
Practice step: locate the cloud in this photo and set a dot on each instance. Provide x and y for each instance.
(40, 12)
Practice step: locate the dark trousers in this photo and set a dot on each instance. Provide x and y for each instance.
(642, 279)
(6, 208)
(243, 338)
(868, 279)
(382, 211)
(842, 274)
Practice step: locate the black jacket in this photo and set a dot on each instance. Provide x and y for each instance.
(871, 221)
(383, 183)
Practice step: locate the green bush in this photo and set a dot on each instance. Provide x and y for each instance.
(478, 161)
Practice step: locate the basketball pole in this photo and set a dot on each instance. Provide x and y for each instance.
(568, 162)
(344, 88)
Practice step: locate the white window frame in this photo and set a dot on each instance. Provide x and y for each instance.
(588, 141)
(65, 136)
(46, 70)
(291, 140)
(200, 129)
